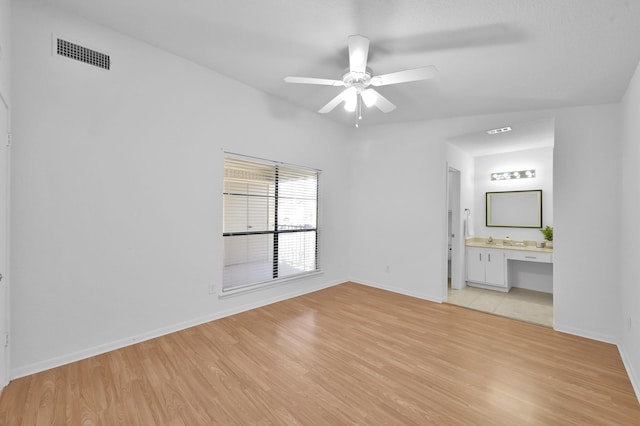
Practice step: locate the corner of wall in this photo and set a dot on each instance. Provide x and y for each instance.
(631, 372)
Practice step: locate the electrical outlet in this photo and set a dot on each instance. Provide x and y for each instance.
(212, 289)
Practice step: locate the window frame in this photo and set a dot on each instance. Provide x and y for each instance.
(274, 280)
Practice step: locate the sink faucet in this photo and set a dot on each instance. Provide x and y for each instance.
(490, 239)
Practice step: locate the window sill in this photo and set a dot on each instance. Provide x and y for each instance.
(266, 284)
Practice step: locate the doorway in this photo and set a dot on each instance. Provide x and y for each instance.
(455, 245)
(480, 157)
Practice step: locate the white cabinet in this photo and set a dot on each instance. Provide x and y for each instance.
(475, 265)
(490, 267)
(486, 266)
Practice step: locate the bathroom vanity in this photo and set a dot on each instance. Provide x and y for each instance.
(488, 263)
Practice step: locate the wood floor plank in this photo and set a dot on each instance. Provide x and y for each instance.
(349, 354)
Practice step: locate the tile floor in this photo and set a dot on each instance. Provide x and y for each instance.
(518, 303)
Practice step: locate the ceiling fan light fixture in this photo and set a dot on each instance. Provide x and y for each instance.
(369, 97)
(358, 78)
(350, 106)
(351, 99)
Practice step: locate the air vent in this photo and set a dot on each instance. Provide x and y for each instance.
(83, 54)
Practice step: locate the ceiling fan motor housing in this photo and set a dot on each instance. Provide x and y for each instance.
(359, 80)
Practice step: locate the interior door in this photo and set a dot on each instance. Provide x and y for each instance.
(455, 234)
(4, 190)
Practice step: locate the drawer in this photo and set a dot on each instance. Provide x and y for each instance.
(529, 256)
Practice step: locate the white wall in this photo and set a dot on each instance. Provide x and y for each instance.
(5, 99)
(5, 48)
(398, 209)
(586, 198)
(117, 181)
(629, 234)
(540, 159)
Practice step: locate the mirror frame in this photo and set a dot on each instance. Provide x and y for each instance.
(533, 196)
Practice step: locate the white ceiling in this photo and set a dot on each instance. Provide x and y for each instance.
(527, 135)
(493, 56)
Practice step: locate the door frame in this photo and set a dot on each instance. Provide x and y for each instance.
(6, 169)
(457, 252)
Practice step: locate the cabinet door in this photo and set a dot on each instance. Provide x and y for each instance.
(494, 268)
(475, 265)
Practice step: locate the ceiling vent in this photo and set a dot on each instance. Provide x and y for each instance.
(83, 54)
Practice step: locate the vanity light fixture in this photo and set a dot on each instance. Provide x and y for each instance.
(501, 130)
(520, 174)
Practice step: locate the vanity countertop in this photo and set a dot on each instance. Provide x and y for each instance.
(510, 245)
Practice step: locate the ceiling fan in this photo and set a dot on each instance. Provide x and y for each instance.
(359, 79)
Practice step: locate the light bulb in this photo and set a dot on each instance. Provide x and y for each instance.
(369, 97)
(350, 106)
(351, 99)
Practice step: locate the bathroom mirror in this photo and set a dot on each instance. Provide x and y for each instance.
(514, 209)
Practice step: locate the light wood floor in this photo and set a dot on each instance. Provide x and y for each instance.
(349, 354)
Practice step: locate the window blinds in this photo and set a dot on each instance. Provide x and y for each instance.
(270, 221)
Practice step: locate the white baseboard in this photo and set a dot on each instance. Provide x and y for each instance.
(633, 375)
(585, 333)
(132, 340)
(397, 290)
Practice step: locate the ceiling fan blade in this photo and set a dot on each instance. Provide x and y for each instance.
(310, 80)
(358, 53)
(342, 96)
(375, 98)
(406, 76)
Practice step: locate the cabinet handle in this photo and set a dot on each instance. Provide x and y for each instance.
(489, 256)
(480, 256)
(530, 257)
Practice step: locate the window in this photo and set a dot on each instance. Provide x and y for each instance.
(270, 221)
